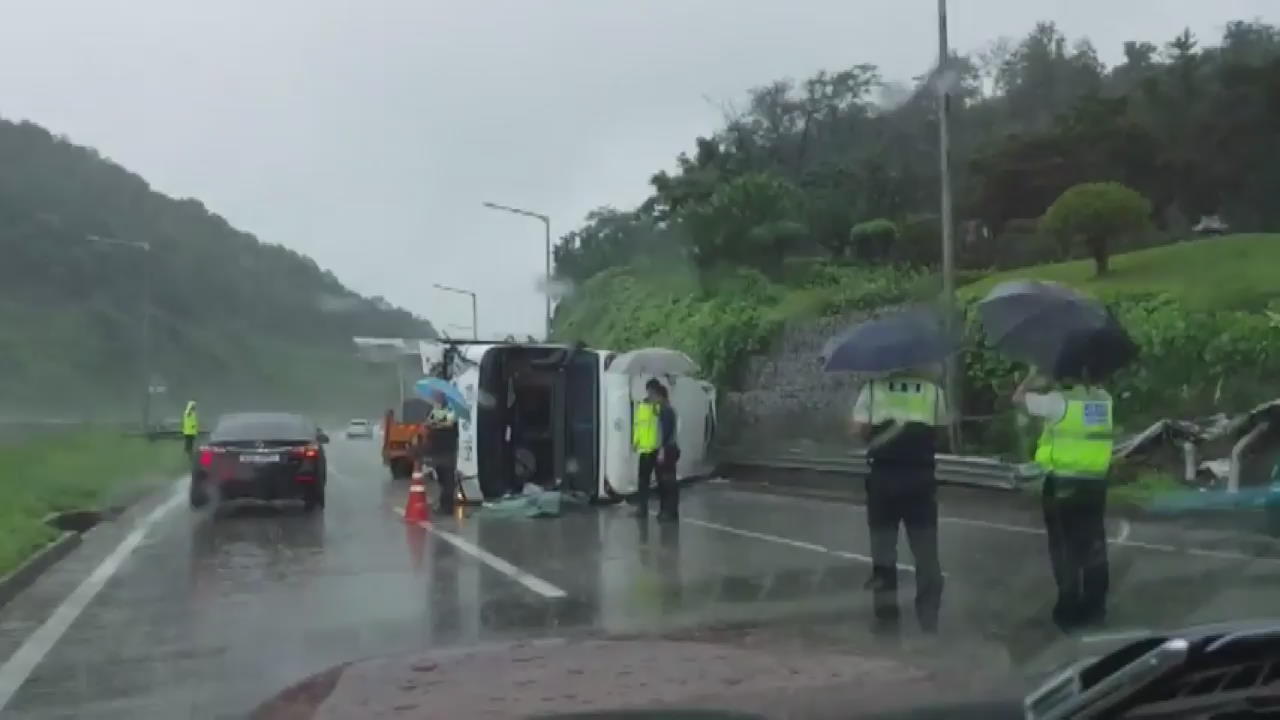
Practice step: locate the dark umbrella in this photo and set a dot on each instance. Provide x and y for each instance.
(1037, 321)
(1095, 353)
(1029, 318)
(898, 341)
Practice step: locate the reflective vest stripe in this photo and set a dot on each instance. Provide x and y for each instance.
(1081, 442)
(644, 427)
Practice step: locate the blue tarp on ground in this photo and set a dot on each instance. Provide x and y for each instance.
(1192, 500)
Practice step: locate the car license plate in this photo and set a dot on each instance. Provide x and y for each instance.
(259, 458)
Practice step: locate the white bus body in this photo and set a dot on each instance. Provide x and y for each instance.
(542, 413)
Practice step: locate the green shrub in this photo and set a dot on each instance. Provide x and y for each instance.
(873, 239)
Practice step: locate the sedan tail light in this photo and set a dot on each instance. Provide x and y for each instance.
(206, 455)
(308, 451)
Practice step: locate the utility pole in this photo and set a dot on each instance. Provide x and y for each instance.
(948, 247)
(546, 226)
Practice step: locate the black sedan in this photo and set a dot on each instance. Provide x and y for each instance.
(263, 456)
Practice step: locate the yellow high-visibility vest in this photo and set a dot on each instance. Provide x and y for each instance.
(1079, 444)
(904, 399)
(644, 427)
(190, 423)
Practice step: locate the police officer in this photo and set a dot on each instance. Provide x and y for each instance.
(646, 440)
(899, 417)
(668, 456)
(1075, 451)
(442, 439)
(190, 426)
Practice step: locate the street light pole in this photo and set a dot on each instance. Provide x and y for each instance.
(546, 226)
(948, 248)
(475, 327)
(145, 353)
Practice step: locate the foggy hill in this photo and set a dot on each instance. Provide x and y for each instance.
(234, 320)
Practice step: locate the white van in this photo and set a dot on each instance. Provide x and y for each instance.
(542, 412)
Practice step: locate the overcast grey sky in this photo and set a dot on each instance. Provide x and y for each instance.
(363, 131)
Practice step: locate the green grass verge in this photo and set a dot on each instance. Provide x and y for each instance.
(1218, 273)
(72, 470)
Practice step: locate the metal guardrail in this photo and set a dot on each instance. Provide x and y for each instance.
(952, 469)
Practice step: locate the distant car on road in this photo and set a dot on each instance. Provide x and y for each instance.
(359, 428)
(263, 456)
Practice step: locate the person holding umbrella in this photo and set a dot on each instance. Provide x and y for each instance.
(899, 415)
(441, 448)
(442, 435)
(1080, 343)
(1075, 451)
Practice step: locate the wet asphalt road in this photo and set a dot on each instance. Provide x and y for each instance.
(210, 616)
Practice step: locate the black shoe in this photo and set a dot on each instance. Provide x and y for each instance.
(668, 517)
(640, 512)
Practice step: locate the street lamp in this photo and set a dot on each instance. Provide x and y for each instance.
(546, 224)
(475, 327)
(948, 248)
(146, 318)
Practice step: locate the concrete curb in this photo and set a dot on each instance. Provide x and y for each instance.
(73, 523)
(32, 568)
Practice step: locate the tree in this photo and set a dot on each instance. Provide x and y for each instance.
(749, 221)
(1097, 213)
(873, 239)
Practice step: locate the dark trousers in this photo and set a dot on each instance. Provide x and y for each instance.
(446, 475)
(1074, 514)
(188, 443)
(906, 496)
(668, 486)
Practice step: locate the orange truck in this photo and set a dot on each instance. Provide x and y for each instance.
(403, 439)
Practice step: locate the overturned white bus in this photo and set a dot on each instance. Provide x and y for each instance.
(542, 413)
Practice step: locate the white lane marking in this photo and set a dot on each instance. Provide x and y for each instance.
(992, 525)
(1121, 539)
(527, 579)
(787, 541)
(18, 668)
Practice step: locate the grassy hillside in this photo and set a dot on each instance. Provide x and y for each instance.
(723, 318)
(234, 321)
(1229, 272)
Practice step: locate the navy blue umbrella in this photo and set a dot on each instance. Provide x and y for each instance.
(1055, 328)
(898, 341)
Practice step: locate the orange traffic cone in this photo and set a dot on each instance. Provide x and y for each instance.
(416, 509)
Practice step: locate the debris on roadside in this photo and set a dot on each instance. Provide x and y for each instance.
(1222, 462)
(534, 502)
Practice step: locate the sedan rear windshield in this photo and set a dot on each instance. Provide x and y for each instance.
(233, 428)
